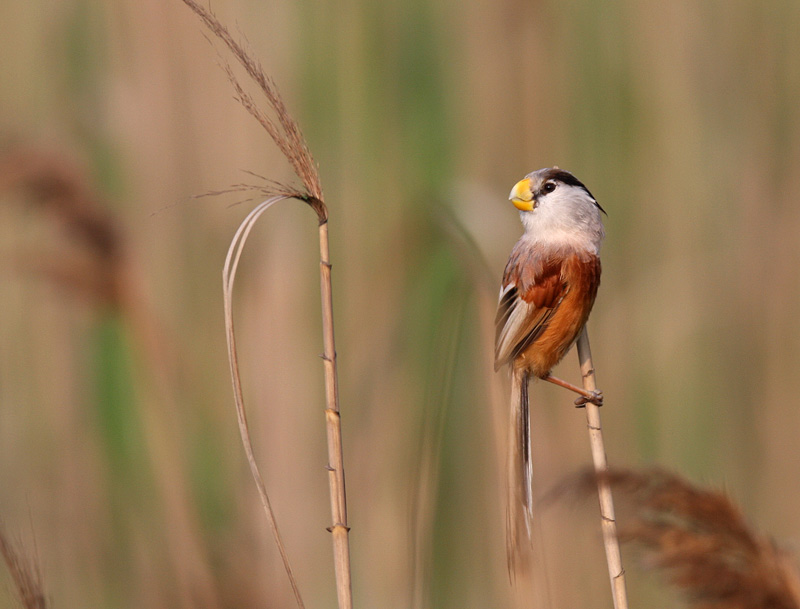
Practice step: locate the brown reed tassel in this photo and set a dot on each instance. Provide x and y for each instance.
(701, 542)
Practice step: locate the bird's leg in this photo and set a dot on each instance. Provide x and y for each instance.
(595, 397)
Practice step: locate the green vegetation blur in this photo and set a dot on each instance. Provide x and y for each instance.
(120, 463)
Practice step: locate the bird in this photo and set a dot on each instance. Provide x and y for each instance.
(548, 289)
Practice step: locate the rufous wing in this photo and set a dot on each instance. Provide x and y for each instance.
(532, 290)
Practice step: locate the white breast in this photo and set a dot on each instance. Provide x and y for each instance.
(567, 217)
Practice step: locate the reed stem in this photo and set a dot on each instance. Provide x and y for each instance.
(608, 521)
(339, 528)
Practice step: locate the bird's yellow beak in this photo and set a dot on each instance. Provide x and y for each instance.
(522, 195)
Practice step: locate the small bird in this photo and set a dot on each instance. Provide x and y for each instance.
(549, 286)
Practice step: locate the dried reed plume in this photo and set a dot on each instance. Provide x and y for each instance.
(701, 541)
(285, 133)
(25, 574)
(287, 136)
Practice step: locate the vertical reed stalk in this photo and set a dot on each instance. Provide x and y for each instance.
(608, 521)
(286, 134)
(339, 529)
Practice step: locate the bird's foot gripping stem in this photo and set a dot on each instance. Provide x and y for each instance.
(587, 397)
(590, 397)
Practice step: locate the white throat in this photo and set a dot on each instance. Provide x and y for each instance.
(566, 218)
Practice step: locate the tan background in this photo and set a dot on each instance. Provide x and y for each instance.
(121, 465)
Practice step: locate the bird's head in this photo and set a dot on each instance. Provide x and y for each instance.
(546, 185)
(555, 205)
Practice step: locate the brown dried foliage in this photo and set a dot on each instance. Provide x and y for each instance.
(24, 573)
(64, 191)
(701, 541)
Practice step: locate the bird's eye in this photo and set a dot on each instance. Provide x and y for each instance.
(549, 187)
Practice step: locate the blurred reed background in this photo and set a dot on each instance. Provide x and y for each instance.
(120, 464)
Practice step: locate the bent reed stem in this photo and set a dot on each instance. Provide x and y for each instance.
(608, 521)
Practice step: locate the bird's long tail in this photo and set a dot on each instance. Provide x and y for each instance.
(519, 509)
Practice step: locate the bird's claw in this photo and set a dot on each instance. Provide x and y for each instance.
(595, 397)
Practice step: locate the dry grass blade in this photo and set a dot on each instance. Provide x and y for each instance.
(228, 279)
(340, 530)
(25, 574)
(701, 541)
